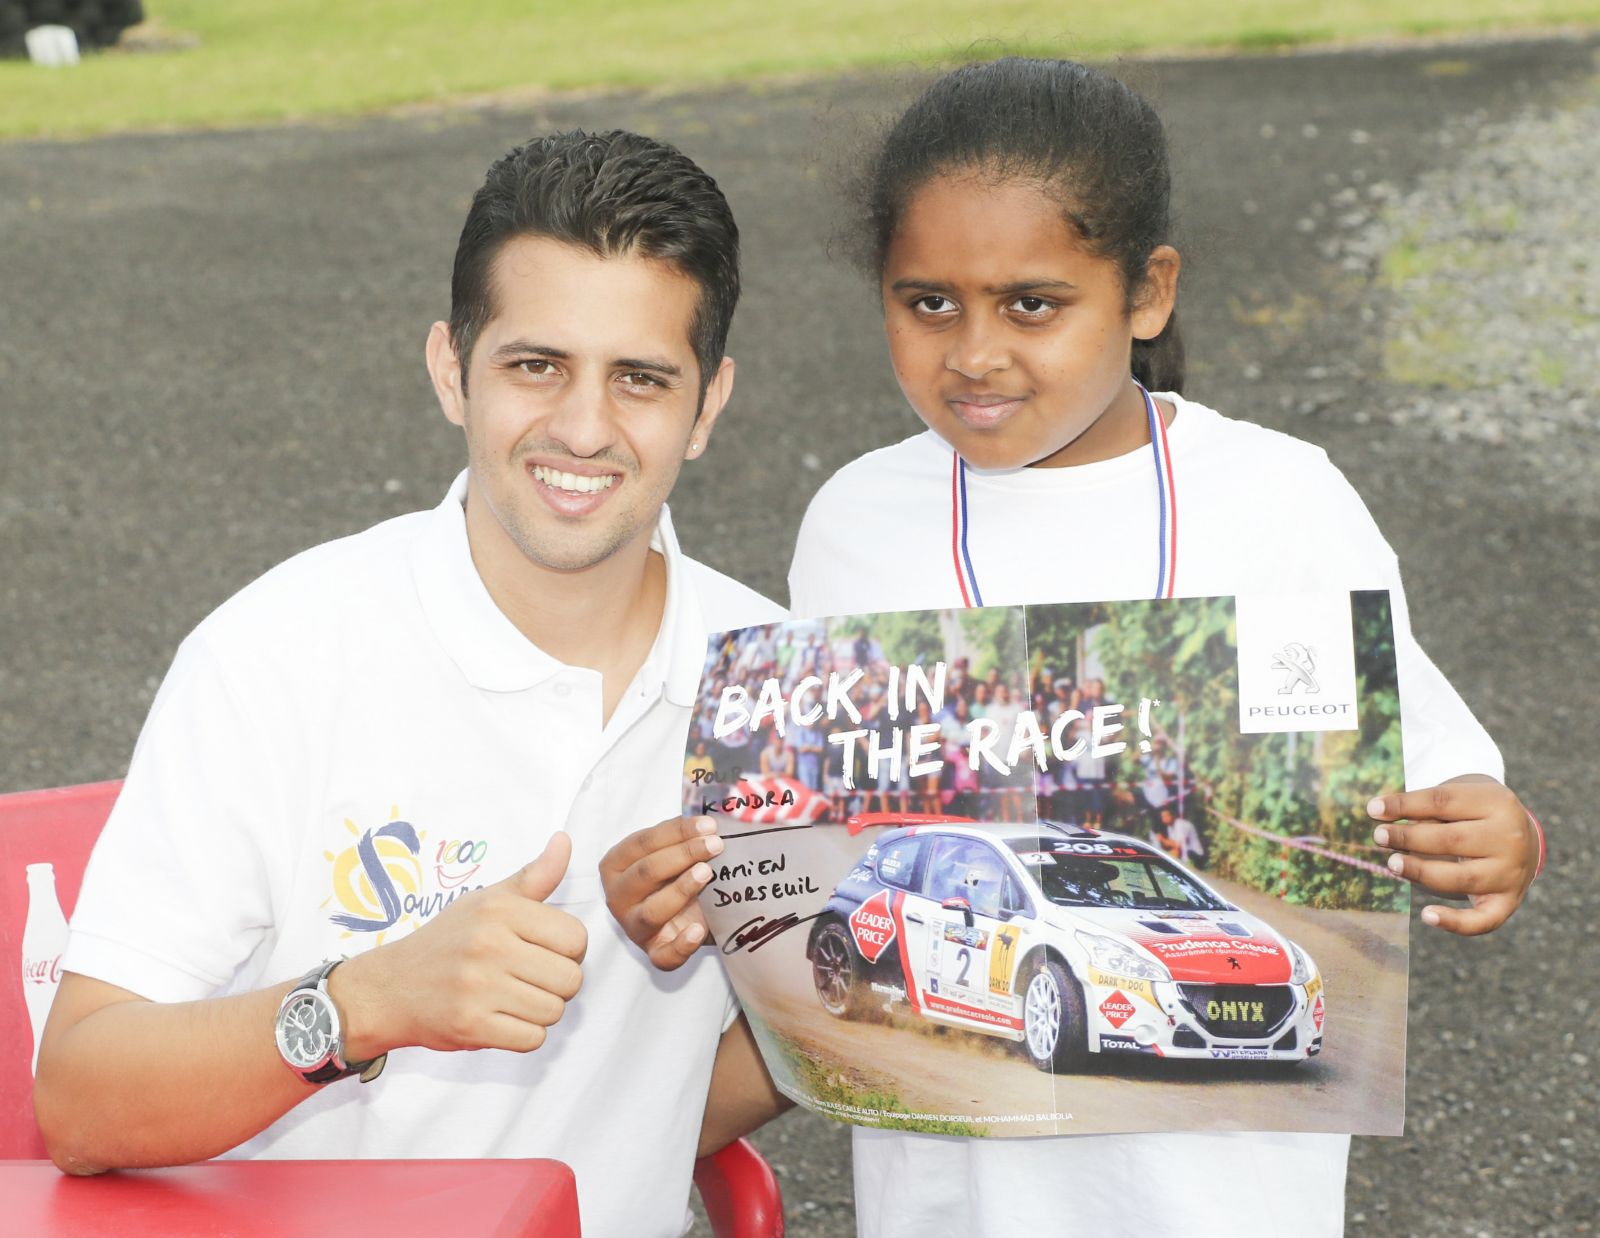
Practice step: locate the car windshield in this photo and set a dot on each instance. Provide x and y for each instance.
(1143, 881)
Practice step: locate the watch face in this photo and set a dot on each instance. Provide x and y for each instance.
(305, 1030)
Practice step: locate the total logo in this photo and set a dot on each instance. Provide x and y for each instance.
(872, 926)
(1118, 1008)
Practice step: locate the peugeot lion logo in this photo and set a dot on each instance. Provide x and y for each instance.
(1297, 662)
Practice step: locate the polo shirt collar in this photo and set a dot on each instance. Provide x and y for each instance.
(679, 654)
(487, 647)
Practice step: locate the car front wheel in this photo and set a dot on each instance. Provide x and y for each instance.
(836, 971)
(1054, 1029)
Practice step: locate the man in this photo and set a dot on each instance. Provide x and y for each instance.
(1179, 838)
(411, 747)
(809, 747)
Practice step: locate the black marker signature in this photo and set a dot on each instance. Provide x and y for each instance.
(758, 931)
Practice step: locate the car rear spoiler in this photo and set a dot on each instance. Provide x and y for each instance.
(866, 820)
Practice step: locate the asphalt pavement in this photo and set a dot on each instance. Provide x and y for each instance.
(211, 357)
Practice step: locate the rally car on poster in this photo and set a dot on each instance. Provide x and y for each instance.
(1067, 940)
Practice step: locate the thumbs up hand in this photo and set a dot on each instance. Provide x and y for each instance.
(539, 878)
(493, 970)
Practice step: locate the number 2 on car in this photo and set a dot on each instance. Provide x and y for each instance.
(964, 949)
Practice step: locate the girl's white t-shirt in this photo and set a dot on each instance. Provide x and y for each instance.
(1257, 512)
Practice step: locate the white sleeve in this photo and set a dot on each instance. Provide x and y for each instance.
(1442, 738)
(806, 583)
(178, 891)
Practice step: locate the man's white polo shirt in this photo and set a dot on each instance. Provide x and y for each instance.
(350, 743)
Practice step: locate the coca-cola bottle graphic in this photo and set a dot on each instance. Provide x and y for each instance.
(44, 939)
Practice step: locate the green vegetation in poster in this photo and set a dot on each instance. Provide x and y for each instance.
(1312, 786)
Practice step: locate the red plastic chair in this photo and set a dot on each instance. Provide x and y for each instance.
(58, 825)
(740, 1192)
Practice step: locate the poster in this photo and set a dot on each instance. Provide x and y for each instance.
(1064, 869)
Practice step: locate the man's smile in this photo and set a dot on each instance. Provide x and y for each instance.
(573, 487)
(576, 483)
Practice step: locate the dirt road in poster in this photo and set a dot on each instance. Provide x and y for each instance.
(958, 1073)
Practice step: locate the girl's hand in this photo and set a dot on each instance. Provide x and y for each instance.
(1469, 837)
(653, 880)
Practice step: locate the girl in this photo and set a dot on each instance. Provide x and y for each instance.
(1016, 220)
(927, 785)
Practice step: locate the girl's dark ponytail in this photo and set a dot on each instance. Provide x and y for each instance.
(1094, 144)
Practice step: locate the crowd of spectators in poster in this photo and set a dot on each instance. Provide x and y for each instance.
(1152, 798)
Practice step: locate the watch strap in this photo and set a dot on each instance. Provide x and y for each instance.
(313, 979)
(325, 1074)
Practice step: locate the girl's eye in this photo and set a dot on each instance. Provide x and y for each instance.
(934, 304)
(1031, 306)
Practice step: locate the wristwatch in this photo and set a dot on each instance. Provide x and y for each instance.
(310, 1036)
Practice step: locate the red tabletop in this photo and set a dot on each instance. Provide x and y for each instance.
(529, 1198)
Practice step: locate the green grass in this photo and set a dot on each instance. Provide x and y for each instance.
(841, 1087)
(1411, 258)
(275, 60)
(836, 1087)
(1436, 357)
(1550, 370)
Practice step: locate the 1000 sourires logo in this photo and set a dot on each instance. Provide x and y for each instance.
(390, 881)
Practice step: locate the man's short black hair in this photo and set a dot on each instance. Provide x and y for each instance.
(611, 193)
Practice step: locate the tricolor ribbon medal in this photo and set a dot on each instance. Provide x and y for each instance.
(966, 578)
(1166, 502)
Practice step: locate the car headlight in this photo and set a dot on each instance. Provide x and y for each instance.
(1111, 955)
(1300, 973)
